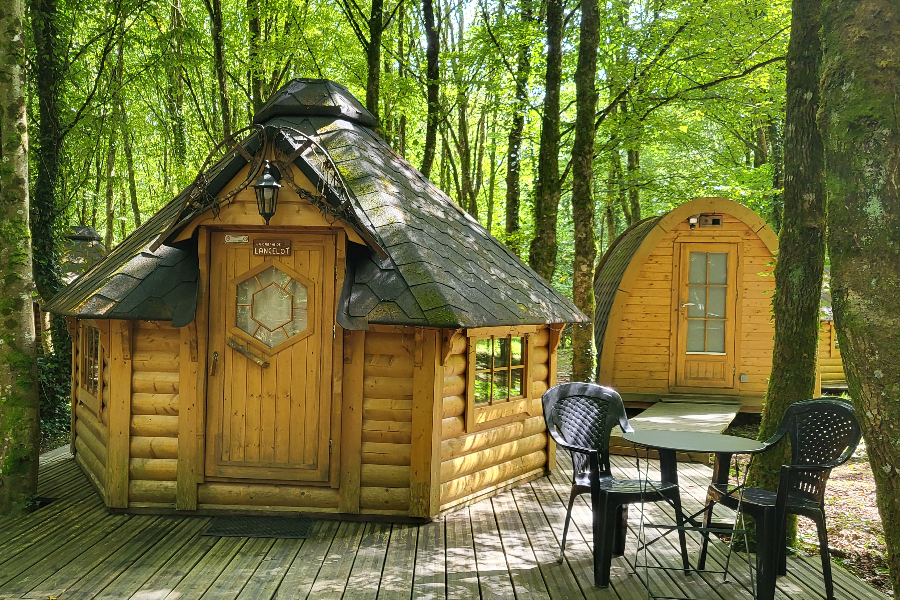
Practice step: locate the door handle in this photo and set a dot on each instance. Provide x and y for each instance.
(683, 304)
(260, 361)
(215, 363)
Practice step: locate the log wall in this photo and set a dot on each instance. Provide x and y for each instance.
(475, 464)
(91, 419)
(387, 402)
(153, 441)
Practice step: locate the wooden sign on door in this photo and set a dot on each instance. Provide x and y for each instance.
(271, 247)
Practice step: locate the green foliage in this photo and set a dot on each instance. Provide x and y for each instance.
(54, 372)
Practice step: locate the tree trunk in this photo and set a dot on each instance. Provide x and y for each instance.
(115, 124)
(175, 86)
(373, 56)
(542, 256)
(582, 197)
(634, 190)
(255, 66)
(214, 8)
(861, 76)
(801, 244)
(432, 85)
(492, 173)
(776, 145)
(514, 145)
(129, 163)
(19, 410)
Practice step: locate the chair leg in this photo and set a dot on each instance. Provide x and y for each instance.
(767, 539)
(562, 545)
(679, 520)
(605, 525)
(621, 530)
(707, 519)
(826, 558)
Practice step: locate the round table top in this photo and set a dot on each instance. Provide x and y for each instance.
(693, 441)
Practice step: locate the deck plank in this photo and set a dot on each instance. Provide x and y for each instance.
(429, 582)
(300, 576)
(399, 564)
(462, 576)
(366, 573)
(502, 547)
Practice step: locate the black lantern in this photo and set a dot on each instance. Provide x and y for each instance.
(267, 191)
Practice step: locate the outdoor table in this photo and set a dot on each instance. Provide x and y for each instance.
(669, 443)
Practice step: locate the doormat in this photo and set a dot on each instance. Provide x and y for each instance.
(260, 527)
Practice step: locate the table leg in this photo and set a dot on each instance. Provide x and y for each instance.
(668, 468)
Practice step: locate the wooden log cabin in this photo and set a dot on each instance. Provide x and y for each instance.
(683, 307)
(204, 376)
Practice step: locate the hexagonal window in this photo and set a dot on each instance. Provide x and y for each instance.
(272, 306)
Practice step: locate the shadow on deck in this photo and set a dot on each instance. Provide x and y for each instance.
(504, 547)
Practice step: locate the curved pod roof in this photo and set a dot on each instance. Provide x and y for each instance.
(618, 269)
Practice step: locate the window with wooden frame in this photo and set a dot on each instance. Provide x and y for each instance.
(90, 360)
(499, 379)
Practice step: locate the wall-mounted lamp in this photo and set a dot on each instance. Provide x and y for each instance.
(693, 221)
(267, 191)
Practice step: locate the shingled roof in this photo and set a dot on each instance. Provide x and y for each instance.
(442, 269)
(609, 272)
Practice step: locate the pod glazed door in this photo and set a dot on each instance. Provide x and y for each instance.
(269, 399)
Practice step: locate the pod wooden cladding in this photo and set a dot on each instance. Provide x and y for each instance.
(238, 494)
(454, 385)
(389, 476)
(375, 453)
(153, 382)
(454, 406)
(538, 388)
(387, 409)
(387, 387)
(497, 455)
(491, 437)
(91, 462)
(470, 484)
(97, 448)
(158, 469)
(452, 427)
(154, 426)
(391, 432)
(382, 498)
(154, 404)
(154, 447)
(454, 365)
(159, 492)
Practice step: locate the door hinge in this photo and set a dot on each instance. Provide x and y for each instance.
(330, 446)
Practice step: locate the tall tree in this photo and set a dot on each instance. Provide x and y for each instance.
(254, 46)
(542, 256)
(801, 243)
(861, 77)
(216, 25)
(514, 143)
(432, 85)
(19, 410)
(582, 187)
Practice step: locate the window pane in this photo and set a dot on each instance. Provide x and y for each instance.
(501, 352)
(715, 336)
(716, 307)
(273, 275)
(482, 388)
(518, 350)
(246, 289)
(501, 386)
(271, 307)
(298, 291)
(244, 322)
(515, 384)
(697, 272)
(696, 301)
(696, 336)
(483, 354)
(298, 323)
(718, 268)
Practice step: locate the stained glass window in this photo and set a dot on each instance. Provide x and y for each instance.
(272, 306)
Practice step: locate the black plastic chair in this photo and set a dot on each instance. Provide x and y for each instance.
(580, 417)
(823, 433)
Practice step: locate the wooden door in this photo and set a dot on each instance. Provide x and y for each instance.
(271, 331)
(707, 292)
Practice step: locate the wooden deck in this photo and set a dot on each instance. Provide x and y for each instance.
(505, 547)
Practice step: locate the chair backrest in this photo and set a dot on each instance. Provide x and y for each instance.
(583, 414)
(823, 432)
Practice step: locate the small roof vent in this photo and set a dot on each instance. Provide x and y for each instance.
(315, 98)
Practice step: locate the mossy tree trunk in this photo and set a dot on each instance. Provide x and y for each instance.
(19, 410)
(860, 94)
(582, 188)
(432, 85)
(801, 242)
(542, 257)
